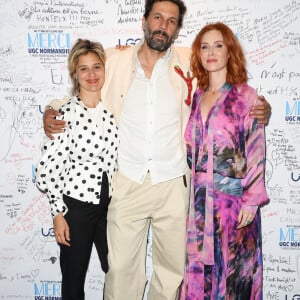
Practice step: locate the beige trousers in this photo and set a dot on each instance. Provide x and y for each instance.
(131, 211)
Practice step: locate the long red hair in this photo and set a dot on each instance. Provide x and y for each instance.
(236, 66)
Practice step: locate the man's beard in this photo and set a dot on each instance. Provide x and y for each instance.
(158, 43)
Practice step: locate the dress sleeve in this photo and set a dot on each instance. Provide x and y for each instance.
(189, 127)
(254, 190)
(51, 168)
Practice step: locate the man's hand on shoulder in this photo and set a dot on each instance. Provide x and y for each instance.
(262, 112)
(52, 125)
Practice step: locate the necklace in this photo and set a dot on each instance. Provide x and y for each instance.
(214, 91)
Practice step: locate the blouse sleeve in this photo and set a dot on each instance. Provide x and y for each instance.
(254, 190)
(51, 168)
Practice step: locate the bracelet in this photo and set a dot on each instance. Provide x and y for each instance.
(48, 107)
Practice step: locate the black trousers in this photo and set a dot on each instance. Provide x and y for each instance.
(87, 224)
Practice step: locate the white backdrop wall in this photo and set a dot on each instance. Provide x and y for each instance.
(35, 39)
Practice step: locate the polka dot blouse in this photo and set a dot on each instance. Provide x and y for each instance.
(73, 163)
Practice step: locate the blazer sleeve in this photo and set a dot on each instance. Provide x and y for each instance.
(58, 103)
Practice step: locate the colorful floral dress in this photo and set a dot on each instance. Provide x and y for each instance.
(227, 159)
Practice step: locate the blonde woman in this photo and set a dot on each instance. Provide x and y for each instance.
(76, 169)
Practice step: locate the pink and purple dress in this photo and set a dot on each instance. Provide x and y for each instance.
(227, 159)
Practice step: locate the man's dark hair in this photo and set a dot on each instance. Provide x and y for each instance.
(179, 3)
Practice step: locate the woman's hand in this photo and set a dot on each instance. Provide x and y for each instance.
(245, 218)
(61, 230)
(261, 112)
(51, 125)
(122, 47)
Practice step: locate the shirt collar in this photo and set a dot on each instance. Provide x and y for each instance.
(164, 58)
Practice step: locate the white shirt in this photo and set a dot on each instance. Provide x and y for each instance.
(149, 128)
(73, 163)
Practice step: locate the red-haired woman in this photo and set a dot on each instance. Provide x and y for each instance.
(226, 153)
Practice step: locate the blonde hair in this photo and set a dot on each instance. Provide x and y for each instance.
(82, 47)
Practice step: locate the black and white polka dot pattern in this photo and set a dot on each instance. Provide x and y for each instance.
(73, 163)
